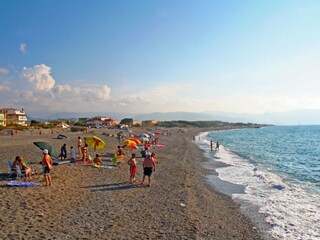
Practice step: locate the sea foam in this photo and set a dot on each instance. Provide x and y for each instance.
(291, 212)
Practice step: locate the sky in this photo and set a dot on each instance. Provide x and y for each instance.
(141, 56)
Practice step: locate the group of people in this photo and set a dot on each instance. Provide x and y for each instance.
(20, 164)
(149, 166)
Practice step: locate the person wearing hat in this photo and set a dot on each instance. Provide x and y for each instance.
(47, 167)
(148, 166)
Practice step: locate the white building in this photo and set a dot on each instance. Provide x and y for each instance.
(14, 116)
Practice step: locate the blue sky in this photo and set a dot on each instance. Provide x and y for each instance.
(147, 56)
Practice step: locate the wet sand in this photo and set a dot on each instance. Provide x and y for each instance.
(89, 203)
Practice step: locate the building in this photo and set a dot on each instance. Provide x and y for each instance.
(14, 116)
(99, 122)
(149, 123)
(2, 118)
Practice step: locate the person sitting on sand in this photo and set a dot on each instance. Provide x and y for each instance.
(47, 167)
(133, 167)
(23, 166)
(97, 162)
(148, 166)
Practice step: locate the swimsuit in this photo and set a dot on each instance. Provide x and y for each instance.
(133, 170)
(147, 171)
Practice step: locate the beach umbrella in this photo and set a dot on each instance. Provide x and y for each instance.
(157, 133)
(95, 142)
(151, 134)
(44, 145)
(143, 139)
(127, 142)
(136, 140)
(144, 135)
(130, 146)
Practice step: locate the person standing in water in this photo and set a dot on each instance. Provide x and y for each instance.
(217, 146)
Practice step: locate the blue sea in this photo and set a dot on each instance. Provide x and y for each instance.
(279, 166)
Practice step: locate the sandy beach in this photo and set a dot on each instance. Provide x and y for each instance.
(90, 203)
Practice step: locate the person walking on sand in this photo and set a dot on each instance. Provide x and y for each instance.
(47, 167)
(148, 167)
(211, 145)
(79, 145)
(133, 167)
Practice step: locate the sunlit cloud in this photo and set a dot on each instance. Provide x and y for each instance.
(40, 76)
(4, 71)
(23, 47)
(4, 88)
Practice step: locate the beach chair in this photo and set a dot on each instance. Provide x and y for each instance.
(12, 171)
(19, 172)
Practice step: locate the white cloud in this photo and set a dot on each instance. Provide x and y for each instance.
(4, 71)
(23, 47)
(40, 76)
(4, 88)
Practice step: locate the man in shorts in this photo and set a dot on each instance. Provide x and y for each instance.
(47, 167)
(148, 167)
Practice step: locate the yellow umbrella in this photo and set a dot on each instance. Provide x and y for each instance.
(95, 142)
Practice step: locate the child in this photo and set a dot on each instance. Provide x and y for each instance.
(133, 168)
(154, 157)
(72, 153)
(97, 161)
(63, 152)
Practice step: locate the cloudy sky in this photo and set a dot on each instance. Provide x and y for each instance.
(145, 56)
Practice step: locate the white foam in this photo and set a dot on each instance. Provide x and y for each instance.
(292, 212)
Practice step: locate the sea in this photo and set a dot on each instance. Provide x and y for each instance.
(279, 170)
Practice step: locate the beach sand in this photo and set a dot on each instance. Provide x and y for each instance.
(89, 203)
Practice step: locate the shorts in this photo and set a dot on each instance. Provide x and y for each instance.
(133, 170)
(45, 170)
(147, 171)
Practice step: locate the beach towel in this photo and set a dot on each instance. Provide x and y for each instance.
(22, 184)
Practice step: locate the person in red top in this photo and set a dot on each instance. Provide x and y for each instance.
(120, 152)
(47, 167)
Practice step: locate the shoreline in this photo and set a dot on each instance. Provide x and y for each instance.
(228, 188)
(90, 203)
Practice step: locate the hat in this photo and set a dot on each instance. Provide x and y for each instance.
(45, 151)
(148, 154)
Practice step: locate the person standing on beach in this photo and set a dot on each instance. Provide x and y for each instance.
(47, 167)
(133, 167)
(63, 152)
(72, 153)
(79, 145)
(211, 145)
(148, 167)
(84, 151)
(217, 146)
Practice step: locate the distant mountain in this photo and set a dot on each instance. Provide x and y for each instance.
(295, 117)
